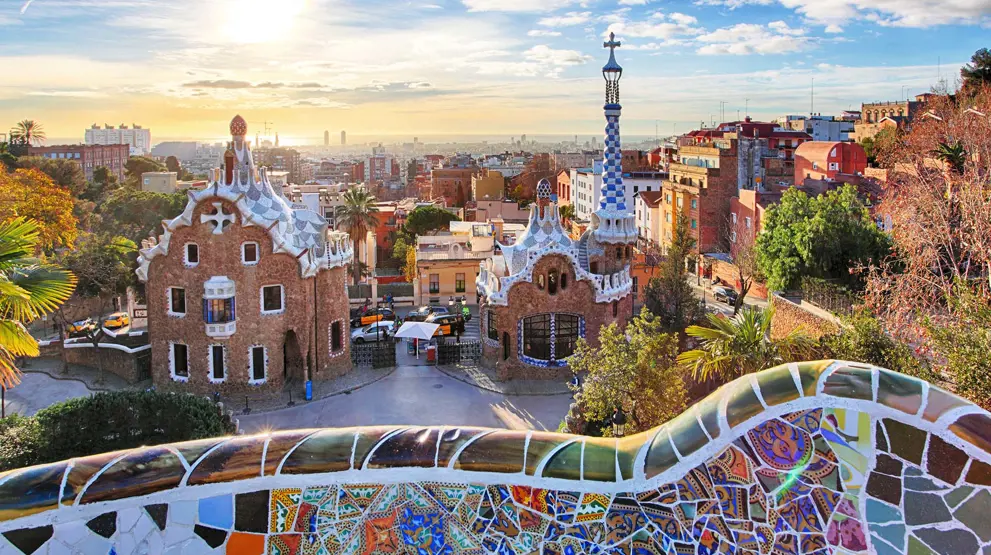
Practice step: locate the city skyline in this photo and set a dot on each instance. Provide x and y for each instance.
(463, 67)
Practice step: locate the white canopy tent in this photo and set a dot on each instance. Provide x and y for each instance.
(417, 330)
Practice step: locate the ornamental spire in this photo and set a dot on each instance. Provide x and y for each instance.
(612, 71)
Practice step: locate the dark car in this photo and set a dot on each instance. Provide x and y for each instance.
(373, 315)
(725, 294)
(450, 324)
(421, 314)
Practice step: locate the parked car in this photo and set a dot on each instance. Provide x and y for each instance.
(421, 314)
(81, 327)
(378, 331)
(373, 315)
(449, 324)
(725, 294)
(117, 320)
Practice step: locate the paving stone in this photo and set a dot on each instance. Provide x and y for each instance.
(925, 508)
(976, 514)
(949, 542)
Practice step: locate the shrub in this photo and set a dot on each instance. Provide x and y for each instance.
(864, 339)
(108, 422)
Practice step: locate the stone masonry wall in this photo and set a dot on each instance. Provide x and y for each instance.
(789, 316)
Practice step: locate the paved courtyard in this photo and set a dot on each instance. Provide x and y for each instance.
(38, 390)
(418, 395)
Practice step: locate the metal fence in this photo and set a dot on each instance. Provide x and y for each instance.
(401, 289)
(828, 296)
(374, 355)
(360, 291)
(455, 353)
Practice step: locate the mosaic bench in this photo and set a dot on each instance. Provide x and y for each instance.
(811, 458)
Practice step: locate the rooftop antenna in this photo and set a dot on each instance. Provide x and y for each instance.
(812, 101)
(746, 107)
(722, 110)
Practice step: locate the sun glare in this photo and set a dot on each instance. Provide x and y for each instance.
(261, 20)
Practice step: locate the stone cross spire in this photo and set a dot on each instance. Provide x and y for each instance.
(613, 194)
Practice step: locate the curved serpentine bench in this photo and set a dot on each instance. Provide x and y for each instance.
(816, 457)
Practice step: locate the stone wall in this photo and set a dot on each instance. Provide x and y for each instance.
(789, 316)
(821, 457)
(132, 365)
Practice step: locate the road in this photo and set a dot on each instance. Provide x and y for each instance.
(38, 390)
(418, 395)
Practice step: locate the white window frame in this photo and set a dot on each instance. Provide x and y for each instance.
(251, 365)
(282, 299)
(209, 359)
(733, 217)
(732, 236)
(748, 222)
(330, 338)
(168, 301)
(258, 253)
(185, 255)
(177, 377)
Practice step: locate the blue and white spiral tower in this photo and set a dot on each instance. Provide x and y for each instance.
(613, 221)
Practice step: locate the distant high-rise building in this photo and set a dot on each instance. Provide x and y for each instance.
(344, 138)
(326, 138)
(523, 138)
(138, 138)
(276, 140)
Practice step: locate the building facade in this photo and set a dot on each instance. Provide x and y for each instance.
(245, 292)
(159, 182)
(546, 290)
(280, 159)
(89, 157)
(135, 136)
(488, 185)
(828, 160)
(700, 187)
(447, 181)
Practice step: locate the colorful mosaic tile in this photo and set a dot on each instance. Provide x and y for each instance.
(820, 474)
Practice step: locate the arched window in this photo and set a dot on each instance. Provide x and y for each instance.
(540, 281)
(552, 282)
(564, 280)
(537, 337)
(548, 339)
(566, 330)
(615, 309)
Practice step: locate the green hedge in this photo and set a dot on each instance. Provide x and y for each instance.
(108, 422)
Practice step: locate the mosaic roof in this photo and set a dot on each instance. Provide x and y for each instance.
(811, 458)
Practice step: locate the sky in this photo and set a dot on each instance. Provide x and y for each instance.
(478, 67)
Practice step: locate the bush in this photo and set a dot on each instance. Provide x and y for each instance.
(108, 422)
(864, 339)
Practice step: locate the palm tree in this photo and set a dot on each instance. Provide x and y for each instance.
(733, 347)
(952, 154)
(567, 212)
(29, 288)
(27, 132)
(357, 217)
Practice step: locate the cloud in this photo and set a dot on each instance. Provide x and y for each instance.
(833, 28)
(633, 2)
(542, 33)
(566, 20)
(733, 4)
(69, 94)
(683, 19)
(748, 38)
(657, 26)
(232, 84)
(516, 5)
(889, 13)
(546, 55)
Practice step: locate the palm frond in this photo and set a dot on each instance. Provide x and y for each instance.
(47, 287)
(18, 238)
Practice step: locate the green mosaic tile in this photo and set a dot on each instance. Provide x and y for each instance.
(324, 451)
(452, 439)
(627, 451)
(940, 402)
(141, 472)
(777, 385)
(279, 444)
(660, 455)
(709, 414)
(30, 491)
(743, 403)
(851, 382)
(566, 463)
(899, 391)
(501, 451)
(687, 434)
(599, 462)
(907, 442)
(542, 443)
(975, 429)
(809, 372)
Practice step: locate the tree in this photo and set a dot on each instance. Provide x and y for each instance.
(634, 369)
(567, 213)
(952, 154)
(138, 215)
(104, 183)
(409, 268)
(976, 74)
(822, 236)
(357, 218)
(29, 288)
(32, 194)
(137, 165)
(172, 164)
(734, 347)
(424, 219)
(104, 266)
(27, 132)
(669, 296)
(961, 344)
(742, 245)
(65, 173)
(862, 338)
(7, 159)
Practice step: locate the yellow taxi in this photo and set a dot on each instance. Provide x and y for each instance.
(117, 320)
(371, 316)
(449, 324)
(81, 327)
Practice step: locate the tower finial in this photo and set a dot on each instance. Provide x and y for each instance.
(612, 71)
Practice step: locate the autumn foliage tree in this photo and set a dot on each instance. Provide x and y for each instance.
(32, 194)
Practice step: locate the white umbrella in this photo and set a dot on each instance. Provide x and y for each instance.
(417, 330)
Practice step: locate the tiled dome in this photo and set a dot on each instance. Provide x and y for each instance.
(239, 127)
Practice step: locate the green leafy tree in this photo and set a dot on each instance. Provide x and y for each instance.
(138, 215)
(27, 132)
(668, 295)
(104, 183)
(962, 343)
(424, 219)
(977, 73)
(65, 173)
(7, 159)
(29, 288)
(952, 154)
(172, 164)
(823, 236)
(400, 248)
(357, 218)
(137, 165)
(634, 369)
(734, 347)
(862, 338)
(567, 212)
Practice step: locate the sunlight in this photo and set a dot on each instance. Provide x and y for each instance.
(261, 20)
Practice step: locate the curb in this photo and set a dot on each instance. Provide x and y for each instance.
(348, 391)
(461, 377)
